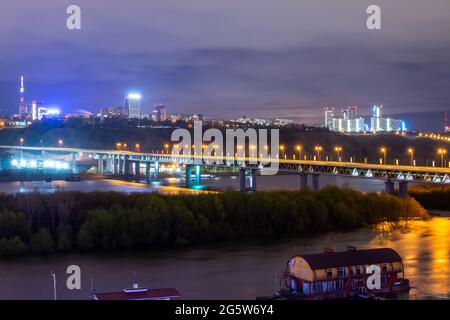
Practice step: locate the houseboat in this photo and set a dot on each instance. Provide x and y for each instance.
(138, 293)
(342, 275)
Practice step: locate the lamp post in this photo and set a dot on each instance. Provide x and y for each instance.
(442, 152)
(282, 150)
(52, 274)
(299, 150)
(60, 142)
(118, 145)
(338, 151)
(411, 152)
(138, 147)
(318, 149)
(384, 151)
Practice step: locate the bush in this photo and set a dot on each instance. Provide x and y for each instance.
(12, 247)
(42, 242)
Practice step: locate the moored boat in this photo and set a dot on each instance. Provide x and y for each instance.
(343, 275)
(138, 293)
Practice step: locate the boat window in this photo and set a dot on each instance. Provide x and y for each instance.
(330, 273)
(341, 272)
(383, 279)
(358, 270)
(384, 267)
(350, 271)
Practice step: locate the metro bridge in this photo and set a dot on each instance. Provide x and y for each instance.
(128, 164)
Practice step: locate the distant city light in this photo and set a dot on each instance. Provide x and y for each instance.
(53, 111)
(33, 164)
(134, 96)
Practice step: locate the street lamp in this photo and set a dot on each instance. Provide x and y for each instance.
(299, 150)
(118, 145)
(338, 151)
(60, 142)
(411, 152)
(384, 151)
(138, 147)
(318, 149)
(52, 274)
(166, 147)
(442, 152)
(21, 142)
(282, 150)
(252, 148)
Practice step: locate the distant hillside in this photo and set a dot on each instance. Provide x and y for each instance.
(95, 135)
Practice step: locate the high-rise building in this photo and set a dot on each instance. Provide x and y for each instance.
(133, 105)
(22, 104)
(159, 113)
(329, 115)
(377, 111)
(35, 107)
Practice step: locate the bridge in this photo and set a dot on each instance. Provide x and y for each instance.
(128, 163)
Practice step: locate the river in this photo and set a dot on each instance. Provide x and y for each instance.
(240, 270)
(172, 185)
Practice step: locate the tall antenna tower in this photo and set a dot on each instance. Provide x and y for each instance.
(22, 104)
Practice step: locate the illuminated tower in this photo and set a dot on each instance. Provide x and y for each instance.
(133, 105)
(22, 105)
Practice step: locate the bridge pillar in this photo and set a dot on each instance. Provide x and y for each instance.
(137, 168)
(315, 182)
(109, 165)
(250, 175)
(156, 171)
(403, 188)
(74, 162)
(303, 181)
(198, 175)
(100, 164)
(117, 165)
(127, 167)
(188, 175)
(389, 187)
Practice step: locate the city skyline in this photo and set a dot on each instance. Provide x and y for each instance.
(288, 60)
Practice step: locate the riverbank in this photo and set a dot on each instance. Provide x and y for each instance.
(75, 221)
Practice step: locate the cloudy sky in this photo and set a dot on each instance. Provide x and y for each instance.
(227, 58)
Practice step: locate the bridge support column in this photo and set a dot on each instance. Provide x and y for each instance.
(117, 165)
(188, 173)
(137, 168)
(247, 175)
(198, 174)
(156, 171)
(127, 167)
(389, 187)
(315, 182)
(100, 164)
(74, 162)
(109, 165)
(403, 188)
(303, 181)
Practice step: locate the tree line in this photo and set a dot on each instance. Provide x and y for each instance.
(65, 221)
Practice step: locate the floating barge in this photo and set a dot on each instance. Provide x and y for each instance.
(138, 293)
(342, 275)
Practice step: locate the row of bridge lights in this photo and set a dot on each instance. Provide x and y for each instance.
(318, 149)
(60, 142)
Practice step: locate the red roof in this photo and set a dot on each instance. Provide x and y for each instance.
(351, 258)
(150, 294)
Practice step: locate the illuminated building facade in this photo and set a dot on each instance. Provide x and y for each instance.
(133, 105)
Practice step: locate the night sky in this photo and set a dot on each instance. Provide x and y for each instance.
(227, 58)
